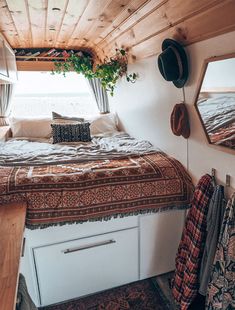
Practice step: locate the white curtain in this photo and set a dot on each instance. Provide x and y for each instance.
(6, 91)
(100, 95)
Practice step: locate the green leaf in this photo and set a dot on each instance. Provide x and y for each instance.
(108, 72)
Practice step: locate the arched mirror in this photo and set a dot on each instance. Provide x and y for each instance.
(215, 100)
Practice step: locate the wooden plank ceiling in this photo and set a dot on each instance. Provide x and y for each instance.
(103, 25)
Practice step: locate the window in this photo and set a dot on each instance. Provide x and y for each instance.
(40, 93)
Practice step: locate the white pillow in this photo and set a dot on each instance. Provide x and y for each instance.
(30, 127)
(58, 118)
(103, 123)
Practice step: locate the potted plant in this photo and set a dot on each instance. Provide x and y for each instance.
(108, 71)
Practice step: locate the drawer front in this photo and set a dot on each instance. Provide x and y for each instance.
(71, 269)
(56, 234)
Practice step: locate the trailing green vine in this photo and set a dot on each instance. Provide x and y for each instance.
(108, 72)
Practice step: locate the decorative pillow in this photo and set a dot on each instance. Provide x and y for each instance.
(30, 127)
(71, 132)
(58, 118)
(103, 123)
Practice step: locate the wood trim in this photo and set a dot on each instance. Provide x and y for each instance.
(26, 58)
(35, 65)
(221, 57)
(201, 78)
(12, 222)
(218, 90)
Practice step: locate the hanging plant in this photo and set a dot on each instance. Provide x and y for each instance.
(108, 72)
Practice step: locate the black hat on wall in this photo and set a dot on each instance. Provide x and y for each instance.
(172, 63)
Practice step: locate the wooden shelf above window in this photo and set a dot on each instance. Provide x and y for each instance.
(38, 58)
(35, 65)
(42, 61)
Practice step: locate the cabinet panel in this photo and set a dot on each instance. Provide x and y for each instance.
(159, 239)
(71, 269)
(11, 63)
(3, 63)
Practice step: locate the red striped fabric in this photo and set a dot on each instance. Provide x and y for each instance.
(190, 251)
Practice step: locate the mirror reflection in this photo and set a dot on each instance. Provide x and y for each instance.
(216, 102)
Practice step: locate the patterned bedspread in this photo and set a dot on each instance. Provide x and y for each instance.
(96, 190)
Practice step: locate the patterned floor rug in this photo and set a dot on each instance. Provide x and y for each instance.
(141, 295)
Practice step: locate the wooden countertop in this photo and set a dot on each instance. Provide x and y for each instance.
(12, 222)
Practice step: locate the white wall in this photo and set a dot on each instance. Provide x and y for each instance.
(144, 110)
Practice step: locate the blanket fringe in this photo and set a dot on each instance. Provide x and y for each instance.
(108, 217)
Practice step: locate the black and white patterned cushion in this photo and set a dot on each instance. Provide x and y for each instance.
(71, 132)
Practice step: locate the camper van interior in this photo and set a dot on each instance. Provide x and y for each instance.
(117, 144)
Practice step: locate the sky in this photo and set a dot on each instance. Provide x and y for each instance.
(44, 82)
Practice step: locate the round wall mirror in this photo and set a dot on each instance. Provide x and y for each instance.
(215, 100)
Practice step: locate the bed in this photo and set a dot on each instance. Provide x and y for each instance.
(111, 176)
(112, 211)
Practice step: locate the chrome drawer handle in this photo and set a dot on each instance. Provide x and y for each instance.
(88, 246)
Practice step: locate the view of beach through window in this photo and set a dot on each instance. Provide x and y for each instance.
(40, 93)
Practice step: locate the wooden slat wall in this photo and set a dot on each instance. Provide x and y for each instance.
(38, 21)
(74, 12)
(207, 24)
(103, 25)
(20, 16)
(118, 20)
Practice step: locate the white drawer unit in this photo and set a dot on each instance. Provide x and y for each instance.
(75, 268)
(71, 261)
